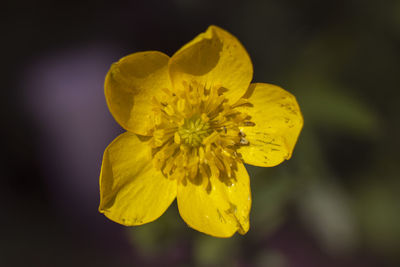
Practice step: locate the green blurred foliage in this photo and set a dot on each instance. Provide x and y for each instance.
(210, 251)
(153, 238)
(377, 206)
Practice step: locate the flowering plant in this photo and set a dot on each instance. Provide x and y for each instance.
(192, 121)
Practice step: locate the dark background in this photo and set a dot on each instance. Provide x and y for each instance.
(335, 203)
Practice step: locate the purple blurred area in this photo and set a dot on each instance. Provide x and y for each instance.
(56, 125)
(64, 98)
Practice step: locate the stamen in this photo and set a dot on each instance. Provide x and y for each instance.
(197, 133)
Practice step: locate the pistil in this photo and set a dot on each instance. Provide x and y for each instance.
(193, 131)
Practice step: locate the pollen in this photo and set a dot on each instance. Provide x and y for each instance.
(197, 134)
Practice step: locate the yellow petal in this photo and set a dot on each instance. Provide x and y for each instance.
(278, 122)
(130, 85)
(220, 212)
(214, 57)
(132, 192)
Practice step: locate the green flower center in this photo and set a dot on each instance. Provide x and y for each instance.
(194, 130)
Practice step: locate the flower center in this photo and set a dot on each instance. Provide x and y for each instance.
(197, 134)
(194, 130)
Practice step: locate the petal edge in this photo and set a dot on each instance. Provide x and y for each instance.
(132, 192)
(130, 85)
(222, 211)
(278, 122)
(214, 57)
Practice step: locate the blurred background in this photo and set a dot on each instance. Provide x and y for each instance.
(335, 203)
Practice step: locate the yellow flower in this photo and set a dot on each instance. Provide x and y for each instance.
(192, 120)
